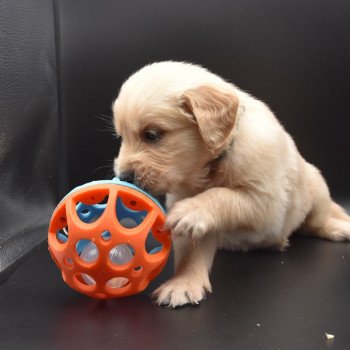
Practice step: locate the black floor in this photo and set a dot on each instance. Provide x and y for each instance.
(261, 300)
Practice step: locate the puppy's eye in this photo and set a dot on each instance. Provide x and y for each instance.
(151, 135)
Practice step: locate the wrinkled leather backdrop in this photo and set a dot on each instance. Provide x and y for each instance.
(61, 65)
(29, 127)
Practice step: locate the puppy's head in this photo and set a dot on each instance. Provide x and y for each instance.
(173, 118)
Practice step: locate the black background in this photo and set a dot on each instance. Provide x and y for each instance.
(293, 55)
(62, 63)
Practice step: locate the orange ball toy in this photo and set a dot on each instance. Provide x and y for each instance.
(107, 239)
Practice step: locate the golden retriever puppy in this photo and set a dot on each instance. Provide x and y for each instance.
(232, 175)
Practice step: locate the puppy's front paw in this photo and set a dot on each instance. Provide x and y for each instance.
(182, 290)
(189, 218)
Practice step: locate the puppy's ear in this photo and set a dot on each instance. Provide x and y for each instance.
(214, 111)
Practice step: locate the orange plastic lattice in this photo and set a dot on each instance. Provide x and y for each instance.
(138, 272)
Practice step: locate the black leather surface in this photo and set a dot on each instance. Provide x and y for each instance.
(261, 300)
(28, 127)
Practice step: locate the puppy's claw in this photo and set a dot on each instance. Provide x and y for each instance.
(161, 297)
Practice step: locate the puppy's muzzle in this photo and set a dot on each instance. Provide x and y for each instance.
(127, 176)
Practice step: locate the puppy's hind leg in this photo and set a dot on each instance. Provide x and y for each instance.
(326, 219)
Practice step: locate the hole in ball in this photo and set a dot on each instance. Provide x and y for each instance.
(85, 279)
(117, 282)
(152, 245)
(128, 223)
(87, 250)
(121, 254)
(106, 235)
(62, 235)
(128, 217)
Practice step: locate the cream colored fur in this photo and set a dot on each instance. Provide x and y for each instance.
(255, 196)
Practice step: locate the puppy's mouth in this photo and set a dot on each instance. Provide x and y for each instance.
(151, 186)
(152, 181)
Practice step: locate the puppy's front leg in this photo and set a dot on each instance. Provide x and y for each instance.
(192, 265)
(195, 223)
(224, 210)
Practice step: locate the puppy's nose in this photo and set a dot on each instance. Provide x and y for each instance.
(127, 176)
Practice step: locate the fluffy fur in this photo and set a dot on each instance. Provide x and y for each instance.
(233, 176)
